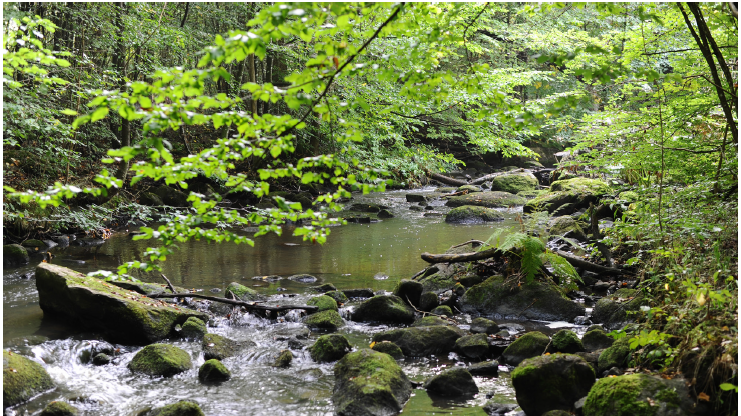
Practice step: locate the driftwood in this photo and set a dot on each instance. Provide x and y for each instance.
(248, 305)
(588, 265)
(491, 176)
(447, 180)
(172, 289)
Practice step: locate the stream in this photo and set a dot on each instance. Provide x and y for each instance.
(375, 256)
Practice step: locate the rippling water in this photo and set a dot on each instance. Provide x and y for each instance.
(354, 255)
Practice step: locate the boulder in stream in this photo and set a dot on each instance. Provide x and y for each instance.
(181, 408)
(596, 339)
(241, 292)
(536, 301)
(193, 328)
(213, 371)
(369, 383)
(384, 308)
(472, 346)
(615, 356)
(515, 182)
(338, 296)
(59, 408)
(471, 214)
(388, 347)
(219, 347)
(330, 320)
(422, 341)
(160, 360)
(358, 293)
(172, 197)
(14, 255)
(638, 394)
(454, 382)
(22, 379)
(566, 341)
(428, 301)
(484, 326)
(409, 290)
(324, 303)
(551, 382)
(611, 311)
(532, 344)
(329, 348)
(284, 359)
(303, 278)
(486, 199)
(92, 303)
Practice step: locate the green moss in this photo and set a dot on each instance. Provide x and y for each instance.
(627, 395)
(338, 296)
(428, 301)
(531, 194)
(430, 321)
(58, 408)
(615, 356)
(384, 308)
(15, 254)
(485, 326)
(325, 320)
(443, 310)
(564, 224)
(469, 188)
(324, 303)
(515, 182)
(284, 359)
(452, 383)
(194, 328)
(241, 292)
(628, 196)
(181, 408)
(388, 347)
(160, 360)
(567, 342)
(329, 348)
(472, 346)
(596, 339)
(582, 185)
(218, 347)
(486, 199)
(38, 244)
(22, 379)
(422, 341)
(470, 214)
(213, 370)
(532, 344)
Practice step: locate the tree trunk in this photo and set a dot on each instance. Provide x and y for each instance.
(251, 67)
(268, 79)
(447, 180)
(124, 136)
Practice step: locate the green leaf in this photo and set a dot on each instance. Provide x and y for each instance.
(99, 114)
(69, 112)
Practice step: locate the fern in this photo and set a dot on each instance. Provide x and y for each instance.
(563, 270)
(493, 239)
(512, 240)
(530, 262)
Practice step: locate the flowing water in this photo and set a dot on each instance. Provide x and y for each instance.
(372, 256)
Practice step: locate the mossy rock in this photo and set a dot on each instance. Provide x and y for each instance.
(181, 408)
(532, 344)
(612, 311)
(556, 413)
(22, 379)
(35, 244)
(455, 382)
(324, 303)
(616, 355)
(581, 185)
(412, 198)
(218, 347)
(637, 395)
(484, 368)
(430, 321)
(242, 292)
(443, 310)
(284, 359)
(358, 293)
(514, 183)
(486, 199)
(422, 341)
(566, 341)
(327, 287)
(471, 214)
(471, 279)
(150, 199)
(629, 196)
(193, 328)
(329, 348)
(14, 255)
(330, 320)
(371, 208)
(551, 382)
(596, 339)
(484, 326)
(59, 408)
(213, 370)
(566, 224)
(536, 301)
(531, 193)
(410, 290)
(101, 359)
(172, 197)
(146, 288)
(468, 188)
(472, 346)
(551, 201)
(338, 296)
(428, 301)
(445, 189)
(369, 383)
(384, 308)
(94, 304)
(160, 360)
(388, 347)
(303, 278)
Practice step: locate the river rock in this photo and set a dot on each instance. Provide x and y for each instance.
(388, 347)
(578, 192)
(14, 255)
(358, 293)
(181, 408)
(565, 225)
(213, 370)
(330, 320)
(615, 356)
(61, 240)
(329, 348)
(638, 394)
(369, 383)
(428, 301)
(94, 348)
(454, 382)
(219, 347)
(566, 341)
(409, 289)
(484, 326)
(241, 292)
(551, 382)
(515, 182)
(430, 321)
(160, 360)
(532, 344)
(303, 278)
(596, 339)
(412, 198)
(536, 301)
(324, 303)
(284, 359)
(193, 328)
(472, 346)
(468, 188)
(486, 199)
(611, 311)
(372, 208)
(22, 379)
(494, 408)
(443, 310)
(384, 308)
(531, 194)
(327, 287)
(172, 197)
(484, 368)
(59, 408)
(146, 288)
(338, 296)
(384, 213)
(422, 341)
(101, 359)
(95, 304)
(470, 214)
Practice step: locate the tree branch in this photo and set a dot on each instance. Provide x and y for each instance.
(247, 305)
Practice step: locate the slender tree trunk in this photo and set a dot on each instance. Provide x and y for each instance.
(268, 78)
(125, 133)
(251, 65)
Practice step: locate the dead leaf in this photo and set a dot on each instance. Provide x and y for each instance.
(372, 344)
(703, 396)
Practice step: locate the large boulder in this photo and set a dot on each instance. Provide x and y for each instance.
(14, 255)
(593, 186)
(616, 355)
(59, 408)
(527, 346)
(410, 290)
(384, 308)
(551, 382)
(92, 303)
(515, 182)
(612, 311)
(213, 371)
(323, 302)
(596, 339)
(567, 226)
(536, 301)
(471, 214)
(22, 379)
(472, 346)
(181, 408)
(566, 341)
(241, 292)
(484, 326)
(388, 347)
(369, 383)
(329, 320)
(638, 394)
(218, 347)
(422, 341)
(577, 192)
(454, 382)
(160, 360)
(193, 328)
(329, 348)
(172, 197)
(486, 199)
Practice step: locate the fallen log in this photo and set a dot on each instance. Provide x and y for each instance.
(447, 180)
(479, 181)
(589, 266)
(248, 305)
